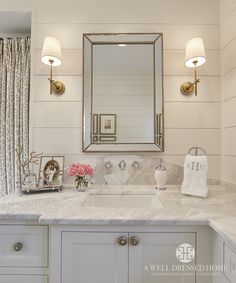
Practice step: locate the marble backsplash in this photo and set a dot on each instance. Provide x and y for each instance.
(142, 175)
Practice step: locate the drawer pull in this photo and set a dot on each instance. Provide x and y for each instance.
(17, 247)
(134, 241)
(122, 241)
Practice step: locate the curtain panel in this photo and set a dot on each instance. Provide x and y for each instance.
(14, 109)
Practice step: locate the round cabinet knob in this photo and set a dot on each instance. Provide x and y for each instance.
(122, 241)
(17, 247)
(134, 241)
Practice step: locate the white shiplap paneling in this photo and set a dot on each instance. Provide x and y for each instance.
(192, 115)
(208, 89)
(229, 141)
(73, 89)
(228, 169)
(180, 140)
(66, 33)
(58, 114)
(178, 21)
(229, 117)
(58, 140)
(123, 11)
(228, 93)
(228, 57)
(228, 85)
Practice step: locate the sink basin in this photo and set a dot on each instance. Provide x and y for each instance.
(122, 201)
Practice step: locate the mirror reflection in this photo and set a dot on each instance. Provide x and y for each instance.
(123, 105)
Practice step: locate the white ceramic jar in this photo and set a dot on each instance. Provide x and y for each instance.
(160, 177)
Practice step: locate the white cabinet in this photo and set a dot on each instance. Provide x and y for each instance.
(91, 257)
(23, 246)
(23, 253)
(94, 257)
(225, 259)
(229, 263)
(154, 258)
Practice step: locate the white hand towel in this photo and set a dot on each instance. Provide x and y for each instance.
(195, 176)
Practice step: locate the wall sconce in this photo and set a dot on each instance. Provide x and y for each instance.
(195, 56)
(51, 55)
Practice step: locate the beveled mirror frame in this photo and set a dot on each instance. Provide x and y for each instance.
(158, 142)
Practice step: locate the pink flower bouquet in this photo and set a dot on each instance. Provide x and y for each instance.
(80, 172)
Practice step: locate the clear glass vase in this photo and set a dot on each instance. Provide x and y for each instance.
(29, 181)
(81, 184)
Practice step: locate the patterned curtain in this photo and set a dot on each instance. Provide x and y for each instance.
(14, 109)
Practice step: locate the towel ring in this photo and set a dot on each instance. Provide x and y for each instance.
(197, 148)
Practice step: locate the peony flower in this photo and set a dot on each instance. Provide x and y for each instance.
(81, 171)
(88, 169)
(72, 170)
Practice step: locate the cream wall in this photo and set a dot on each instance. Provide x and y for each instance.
(189, 121)
(228, 89)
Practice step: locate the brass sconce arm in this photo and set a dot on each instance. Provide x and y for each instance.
(187, 88)
(55, 86)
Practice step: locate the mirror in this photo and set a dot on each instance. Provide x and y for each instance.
(123, 92)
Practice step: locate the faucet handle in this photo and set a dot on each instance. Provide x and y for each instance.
(135, 164)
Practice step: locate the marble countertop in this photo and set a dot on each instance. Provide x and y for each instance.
(168, 207)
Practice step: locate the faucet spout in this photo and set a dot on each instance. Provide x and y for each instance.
(122, 165)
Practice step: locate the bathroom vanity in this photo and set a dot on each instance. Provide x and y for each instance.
(75, 237)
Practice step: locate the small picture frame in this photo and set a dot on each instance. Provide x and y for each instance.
(51, 172)
(107, 124)
(95, 124)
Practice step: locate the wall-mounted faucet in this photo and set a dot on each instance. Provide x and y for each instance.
(122, 165)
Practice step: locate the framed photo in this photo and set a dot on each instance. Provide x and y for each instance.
(51, 172)
(107, 138)
(107, 124)
(95, 124)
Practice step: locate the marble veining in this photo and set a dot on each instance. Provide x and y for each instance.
(169, 207)
(144, 174)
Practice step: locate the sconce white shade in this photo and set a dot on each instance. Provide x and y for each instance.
(51, 51)
(195, 55)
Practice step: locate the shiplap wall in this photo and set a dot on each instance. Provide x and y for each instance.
(228, 89)
(56, 120)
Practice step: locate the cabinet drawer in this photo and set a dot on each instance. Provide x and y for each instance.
(23, 246)
(229, 263)
(23, 279)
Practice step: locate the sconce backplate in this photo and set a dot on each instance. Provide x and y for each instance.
(58, 87)
(187, 88)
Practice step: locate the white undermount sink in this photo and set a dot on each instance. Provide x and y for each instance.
(118, 201)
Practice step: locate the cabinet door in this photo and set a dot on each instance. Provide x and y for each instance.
(94, 257)
(154, 259)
